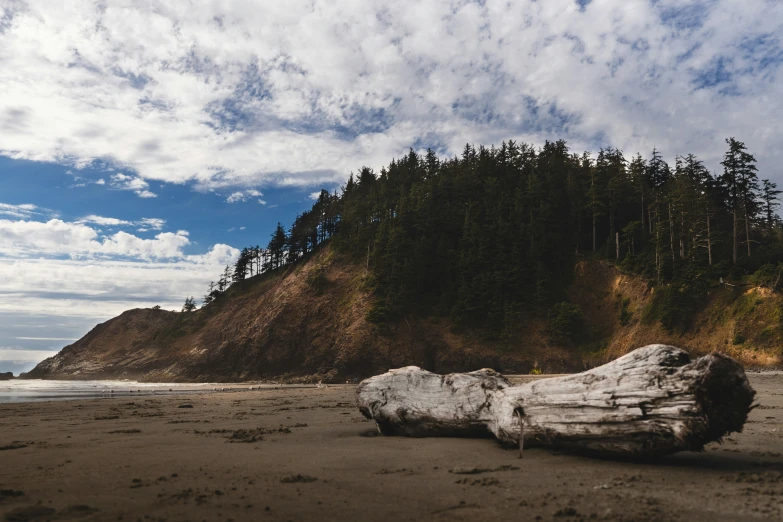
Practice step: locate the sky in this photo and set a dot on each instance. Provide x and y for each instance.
(142, 142)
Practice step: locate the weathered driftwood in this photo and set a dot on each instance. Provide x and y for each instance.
(653, 401)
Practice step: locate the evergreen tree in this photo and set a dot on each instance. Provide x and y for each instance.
(241, 266)
(277, 247)
(740, 184)
(210, 295)
(769, 198)
(190, 305)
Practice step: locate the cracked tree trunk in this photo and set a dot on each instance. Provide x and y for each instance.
(652, 401)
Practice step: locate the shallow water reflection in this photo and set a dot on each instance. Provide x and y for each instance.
(41, 390)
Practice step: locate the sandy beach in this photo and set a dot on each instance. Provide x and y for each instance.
(307, 454)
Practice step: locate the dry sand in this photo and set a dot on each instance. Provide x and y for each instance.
(307, 454)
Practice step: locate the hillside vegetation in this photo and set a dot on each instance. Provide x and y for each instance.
(518, 258)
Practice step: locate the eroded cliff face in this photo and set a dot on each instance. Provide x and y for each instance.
(622, 312)
(281, 325)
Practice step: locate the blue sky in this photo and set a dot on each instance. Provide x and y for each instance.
(58, 313)
(143, 142)
(72, 194)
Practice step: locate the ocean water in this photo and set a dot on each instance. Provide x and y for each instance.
(41, 390)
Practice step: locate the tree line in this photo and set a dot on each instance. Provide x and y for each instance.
(308, 230)
(490, 237)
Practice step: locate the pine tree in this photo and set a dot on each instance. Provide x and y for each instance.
(658, 176)
(277, 247)
(241, 265)
(740, 183)
(190, 305)
(770, 201)
(210, 295)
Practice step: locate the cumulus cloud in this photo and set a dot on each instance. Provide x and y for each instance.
(146, 224)
(81, 181)
(135, 184)
(151, 224)
(60, 238)
(242, 196)
(101, 287)
(68, 269)
(301, 92)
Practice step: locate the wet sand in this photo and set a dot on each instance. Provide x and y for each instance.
(307, 454)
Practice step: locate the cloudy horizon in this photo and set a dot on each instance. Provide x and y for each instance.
(143, 143)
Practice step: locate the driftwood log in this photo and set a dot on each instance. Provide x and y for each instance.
(650, 402)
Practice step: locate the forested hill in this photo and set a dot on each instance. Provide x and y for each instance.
(512, 256)
(490, 239)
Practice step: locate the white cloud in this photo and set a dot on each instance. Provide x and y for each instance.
(78, 240)
(302, 92)
(145, 224)
(65, 269)
(18, 356)
(26, 210)
(315, 195)
(105, 275)
(140, 187)
(81, 181)
(102, 288)
(45, 338)
(104, 221)
(152, 223)
(243, 196)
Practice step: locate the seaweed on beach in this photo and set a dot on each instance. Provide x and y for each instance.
(298, 478)
(12, 446)
(244, 435)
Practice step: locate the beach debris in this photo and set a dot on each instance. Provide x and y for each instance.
(298, 478)
(472, 470)
(652, 401)
(10, 493)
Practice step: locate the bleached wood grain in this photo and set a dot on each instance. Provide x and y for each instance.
(652, 401)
